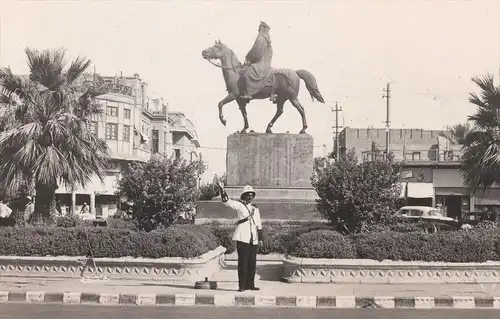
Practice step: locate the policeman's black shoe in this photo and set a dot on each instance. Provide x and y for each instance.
(241, 290)
(254, 288)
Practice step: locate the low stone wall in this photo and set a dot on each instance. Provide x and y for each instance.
(172, 268)
(269, 209)
(309, 270)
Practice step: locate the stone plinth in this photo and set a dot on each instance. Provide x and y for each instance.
(269, 160)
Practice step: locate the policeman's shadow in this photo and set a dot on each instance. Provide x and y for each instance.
(182, 286)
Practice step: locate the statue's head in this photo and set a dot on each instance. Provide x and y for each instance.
(263, 27)
(216, 51)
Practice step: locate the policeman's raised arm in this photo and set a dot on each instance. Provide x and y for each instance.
(224, 197)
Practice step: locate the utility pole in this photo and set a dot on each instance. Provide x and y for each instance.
(387, 96)
(336, 148)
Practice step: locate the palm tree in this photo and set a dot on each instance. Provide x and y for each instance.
(46, 137)
(457, 133)
(481, 158)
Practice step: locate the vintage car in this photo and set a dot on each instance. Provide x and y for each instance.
(430, 218)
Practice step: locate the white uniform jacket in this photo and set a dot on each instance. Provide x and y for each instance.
(249, 229)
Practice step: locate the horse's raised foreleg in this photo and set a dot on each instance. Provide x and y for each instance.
(302, 112)
(229, 98)
(279, 111)
(243, 108)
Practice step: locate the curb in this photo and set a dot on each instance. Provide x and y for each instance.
(225, 300)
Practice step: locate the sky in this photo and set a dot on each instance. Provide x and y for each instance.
(427, 50)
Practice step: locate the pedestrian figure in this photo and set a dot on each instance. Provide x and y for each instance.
(248, 235)
(28, 210)
(85, 209)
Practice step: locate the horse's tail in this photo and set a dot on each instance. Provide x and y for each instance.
(311, 85)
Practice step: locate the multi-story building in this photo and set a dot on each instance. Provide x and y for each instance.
(431, 163)
(135, 128)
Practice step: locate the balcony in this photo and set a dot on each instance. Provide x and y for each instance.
(415, 156)
(111, 87)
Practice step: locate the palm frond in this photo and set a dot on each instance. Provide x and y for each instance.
(47, 67)
(481, 158)
(77, 69)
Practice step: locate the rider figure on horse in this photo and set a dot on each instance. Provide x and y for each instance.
(254, 74)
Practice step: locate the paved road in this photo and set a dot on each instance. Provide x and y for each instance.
(27, 311)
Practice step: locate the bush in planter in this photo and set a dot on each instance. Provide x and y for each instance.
(66, 221)
(472, 246)
(322, 244)
(160, 190)
(178, 241)
(277, 235)
(390, 223)
(351, 192)
(122, 223)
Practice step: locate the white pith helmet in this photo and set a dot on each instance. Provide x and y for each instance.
(248, 189)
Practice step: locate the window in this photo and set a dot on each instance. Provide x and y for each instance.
(112, 111)
(415, 213)
(155, 141)
(415, 156)
(127, 113)
(93, 128)
(177, 153)
(126, 133)
(435, 213)
(111, 131)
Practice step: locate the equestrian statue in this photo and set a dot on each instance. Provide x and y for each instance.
(256, 79)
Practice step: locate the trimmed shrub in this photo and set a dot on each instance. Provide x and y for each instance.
(391, 224)
(177, 241)
(277, 235)
(66, 221)
(460, 246)
(121, 223)
(323, 244)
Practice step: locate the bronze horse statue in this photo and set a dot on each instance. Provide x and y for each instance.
(286, 86)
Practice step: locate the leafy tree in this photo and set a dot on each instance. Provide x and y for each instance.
(46, 140)
(211, 190)
(481, 159)
(160, 190)
(352, 192)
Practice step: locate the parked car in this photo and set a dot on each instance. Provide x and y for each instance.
(429, 218)
(473, 218)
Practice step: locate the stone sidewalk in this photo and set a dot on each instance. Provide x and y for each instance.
(272, 293)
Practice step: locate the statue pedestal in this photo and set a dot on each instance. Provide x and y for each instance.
(278, 166)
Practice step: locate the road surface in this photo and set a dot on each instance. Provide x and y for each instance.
(44, 311)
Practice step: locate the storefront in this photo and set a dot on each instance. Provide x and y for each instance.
(488, 200)
(453, 198)
(99, 196)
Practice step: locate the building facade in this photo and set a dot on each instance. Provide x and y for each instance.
(135, 128)
(431, 163)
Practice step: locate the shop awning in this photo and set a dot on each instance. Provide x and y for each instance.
(489, 197)
(420, 190)
(452, 191)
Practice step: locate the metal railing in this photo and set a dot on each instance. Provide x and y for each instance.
(111, 87)
(429, 155)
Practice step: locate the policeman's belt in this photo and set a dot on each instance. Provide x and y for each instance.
(250, 215)
(241, 221)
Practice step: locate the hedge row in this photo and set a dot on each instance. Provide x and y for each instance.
(277, 236)
(318, 241)
(186, 241)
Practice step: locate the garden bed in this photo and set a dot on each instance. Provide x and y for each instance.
(391, 257)
(181, 252)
